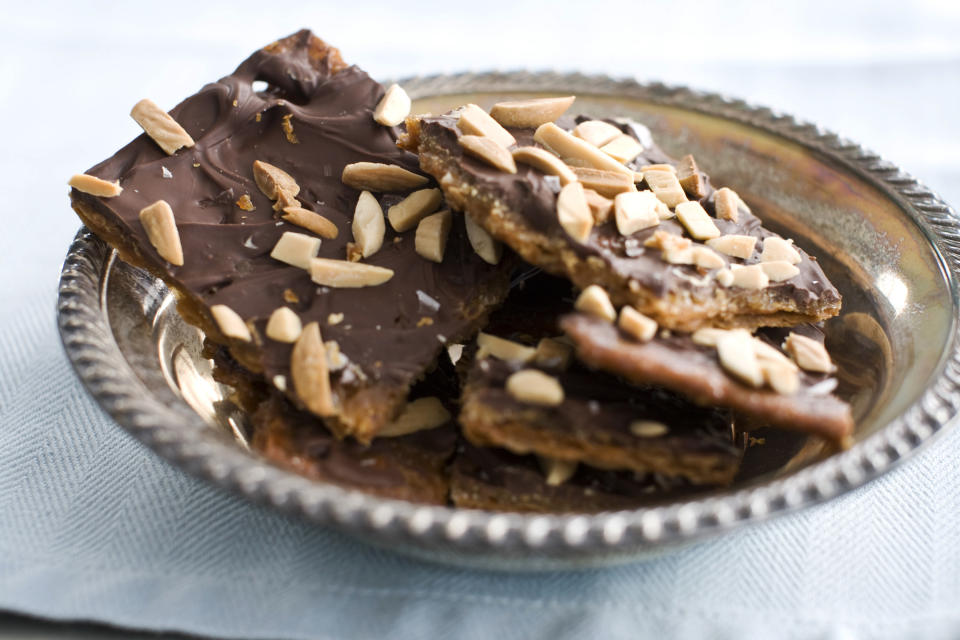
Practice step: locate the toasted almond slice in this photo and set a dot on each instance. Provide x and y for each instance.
(421, 414)
(733, 245)
(606, 183)
(430, 241)
(648, 429)
(566, 145)
(296, 249)
(656, 167)
(553, 353)
(490, 151)
(160, 125)
(782, 378)
(697, 221)
(573, 212)
(737, 357)
(727, 204)
(637, 325)
(556, 472)
(597, 132)
(475, 121)
(407, 213)
(375, 176)
(95, 186)
(284, 325)
(777, 249)
(231, 325)
(595, 301)
(532, 386)
(545, 162)
(530, 114)
(707, 258)
(635, 210)
(809, 354)
(600, 207)
(708, 336)
(666, 186)
(690, 178)
(752, 277)
(623, 148)
(310, 371)
(768, 353)
(393, 107)
(489, 249)
(779, 270)
(503, 349)
(274, 181)
(344, 274)
(161, 227)
(368, 226)
(310, 220)
(285, 200)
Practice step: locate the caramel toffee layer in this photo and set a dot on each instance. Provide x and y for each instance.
(676, 362)
(313, 117)
(677, 296)
(596, 424)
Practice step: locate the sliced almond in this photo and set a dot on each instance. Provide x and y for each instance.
(596, 132)
(421, 414)
(284, 325)
(779, 270)
(432, 233)
(573, 212)
(635, 210)
(737, 357)
(733, 245)
(285, 200)
(368, 226)
(475, 121)
(375, 176)
(726, 202)
(530, 114)
(568, 146)
(600, 207)
(656, 167)
(393, 107)
(489, 249)
(752, 277)
(777, 249)
(690, 178)
(697, 221)
(553, 353)
(606, 183)
(768, 353)
(161, 227)
(273, 181)
(637, 325)
(545, 162)
(531, 386)
(595, 301)
(296, 249)
(95, 186)
(490, 151)
(623, 148)
(230, 323)
(310, 220)
(706, 258)
(809, 354)
(725, 277)
(782, 378)
(310, 371)
(407, 213)
(161, 127)
(707, 336)
(666, 186)
(648, 429)
(556, 472)
(503, 349)
(347, 275)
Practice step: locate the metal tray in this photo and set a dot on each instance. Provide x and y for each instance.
(888, 243)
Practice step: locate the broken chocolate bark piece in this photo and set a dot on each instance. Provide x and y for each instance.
(690, 365)
(682, 291)
(267, 161)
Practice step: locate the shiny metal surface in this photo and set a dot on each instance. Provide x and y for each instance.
(889, 244)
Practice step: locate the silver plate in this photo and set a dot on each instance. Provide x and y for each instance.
(890, 245)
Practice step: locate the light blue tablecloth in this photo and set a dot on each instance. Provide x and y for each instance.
(93, 526)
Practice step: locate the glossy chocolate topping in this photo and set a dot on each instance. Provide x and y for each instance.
(392, 331)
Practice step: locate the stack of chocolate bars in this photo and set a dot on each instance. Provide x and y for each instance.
(515, 309)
